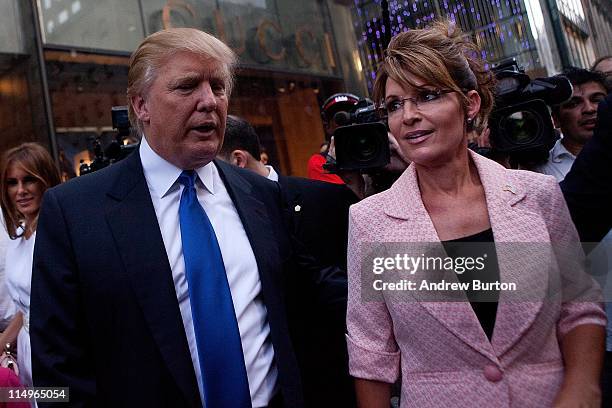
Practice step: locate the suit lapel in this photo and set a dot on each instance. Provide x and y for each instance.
(458, 316)
(510, 224)
(136, 231)
(254, 217)
(520, 262)
(294, 201)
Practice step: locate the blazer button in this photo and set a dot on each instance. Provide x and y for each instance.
(492, 373)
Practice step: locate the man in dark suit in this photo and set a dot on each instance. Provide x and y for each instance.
(158, 282)
(587, 188)
(319, 214)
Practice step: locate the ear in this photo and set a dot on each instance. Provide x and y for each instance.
(473, 104)
(239, 158)
(141, 109)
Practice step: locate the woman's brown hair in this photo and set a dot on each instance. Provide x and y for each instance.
(36, 161)
(442, 56)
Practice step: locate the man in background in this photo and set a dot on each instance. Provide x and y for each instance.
(576, 120)
(319, 220)
(604, 65)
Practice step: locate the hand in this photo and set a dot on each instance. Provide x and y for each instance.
(578, 396)
(353, 179)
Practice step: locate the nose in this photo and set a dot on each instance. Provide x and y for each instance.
(207, 101)
(590, 106)
(410, 113)
(20, 188)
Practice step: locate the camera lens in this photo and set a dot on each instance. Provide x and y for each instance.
(521, 127)
(363, 147)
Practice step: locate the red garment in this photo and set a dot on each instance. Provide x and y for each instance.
(317, 172)
(9, 379)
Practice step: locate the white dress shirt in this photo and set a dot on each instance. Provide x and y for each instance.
(273, 175)
(560, 161)
(238, 258)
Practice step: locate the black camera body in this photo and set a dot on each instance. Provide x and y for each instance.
(521, 125)
(361, 143)
(116, 150)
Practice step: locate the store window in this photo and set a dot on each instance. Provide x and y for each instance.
(22, 112)
(293, 55)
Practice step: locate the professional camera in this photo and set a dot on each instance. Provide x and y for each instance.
(116, 150)
(521, 125)
(361, 141)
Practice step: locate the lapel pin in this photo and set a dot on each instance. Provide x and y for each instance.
(509, 188)
(297, 208)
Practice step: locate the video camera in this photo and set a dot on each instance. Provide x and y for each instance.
(116, 150)
(361, 140)
(521, 125)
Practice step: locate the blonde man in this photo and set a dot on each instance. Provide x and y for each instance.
(158, 278)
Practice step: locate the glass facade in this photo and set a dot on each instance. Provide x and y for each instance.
(499, 27)
(22, 108)
(63, 63)
(289, 63)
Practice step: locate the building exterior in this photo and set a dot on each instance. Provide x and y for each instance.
(63, 63)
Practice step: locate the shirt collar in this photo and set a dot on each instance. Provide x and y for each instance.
(559, 151)
(161, 175)
(273, 174)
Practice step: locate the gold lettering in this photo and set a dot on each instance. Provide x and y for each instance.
(299, 44)
(176, 5)
(261, 38)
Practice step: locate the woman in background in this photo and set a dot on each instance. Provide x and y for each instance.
(26, 171)
(542, 352)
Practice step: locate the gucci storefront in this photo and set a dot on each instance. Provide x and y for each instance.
(65, 65)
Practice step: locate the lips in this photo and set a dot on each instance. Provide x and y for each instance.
(23, 202)
(417, 136)
(588, 122)
(205, 127)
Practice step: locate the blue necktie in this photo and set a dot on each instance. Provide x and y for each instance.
(216, 329)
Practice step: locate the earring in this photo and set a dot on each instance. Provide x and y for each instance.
(469, 121)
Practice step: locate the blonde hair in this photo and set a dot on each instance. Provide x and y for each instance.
(156, 50)
(36, 161)
(442, 56)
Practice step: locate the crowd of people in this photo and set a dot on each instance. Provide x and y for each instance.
(193, 273)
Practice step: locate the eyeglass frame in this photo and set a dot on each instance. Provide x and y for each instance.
(383, 112)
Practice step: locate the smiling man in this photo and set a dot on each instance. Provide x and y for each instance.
(576, 119)
(158, 281)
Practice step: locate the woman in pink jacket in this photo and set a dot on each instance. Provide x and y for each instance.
(537, 351)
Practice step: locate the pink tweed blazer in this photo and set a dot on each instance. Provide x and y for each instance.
(445, 358)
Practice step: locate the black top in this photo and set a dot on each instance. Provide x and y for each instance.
(484, 303)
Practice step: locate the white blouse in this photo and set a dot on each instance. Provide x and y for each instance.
(18, 270)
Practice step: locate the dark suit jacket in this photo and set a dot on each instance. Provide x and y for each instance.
(105, 318)
(319, 213)
(588, 185)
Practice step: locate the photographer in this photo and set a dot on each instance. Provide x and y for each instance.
(576, 118)
(363, 152)
(340, 102)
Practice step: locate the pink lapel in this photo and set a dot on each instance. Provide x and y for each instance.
(514, 228)
(509, 223)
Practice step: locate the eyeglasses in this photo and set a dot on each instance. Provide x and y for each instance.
(425, 100)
